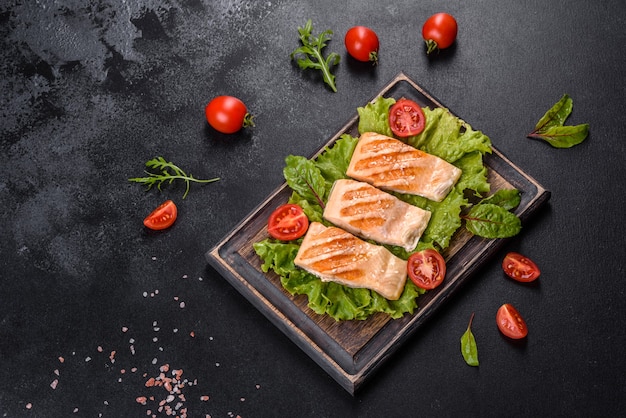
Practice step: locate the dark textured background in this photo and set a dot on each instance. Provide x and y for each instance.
(91, 90)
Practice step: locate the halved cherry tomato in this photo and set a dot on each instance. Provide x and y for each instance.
(287, 222)
(406, 118)
(362, 44)
(162, 217)
(510, 322)
(439, 31)
(520, 268)
(426, 269)
(227, 114)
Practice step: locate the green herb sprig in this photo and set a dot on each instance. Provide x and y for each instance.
(469, 349)
(167, 172)
(310, 55)
(551, 128)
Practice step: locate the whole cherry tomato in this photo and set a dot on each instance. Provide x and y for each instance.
(162, 217)
(362, 44)
(227, 114)
(439, 31)
(426, 269)
(406, 118)
(510, 322)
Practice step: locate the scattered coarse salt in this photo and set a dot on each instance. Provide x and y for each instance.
(182, 305)
(204, 398)
(124, 329)
(154, 258)
(142, 400)
(54, 384)
(99, 349)
(61, 360)
(87, 359)
(145, 294)
(29, 405)
(184, 276)
(258, 386)
(75, 410)
(192, 334)
(56, 371)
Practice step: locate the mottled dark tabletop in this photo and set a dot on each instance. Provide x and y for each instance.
(99, 317)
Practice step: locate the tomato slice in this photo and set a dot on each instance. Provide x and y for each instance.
(510, 322)
(406, 118)
(162, 217)
(287, 222)
(520, 268)
(426, 269)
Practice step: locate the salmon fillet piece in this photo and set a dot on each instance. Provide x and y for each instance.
(390, 164)
(333, 254)
(370, 213)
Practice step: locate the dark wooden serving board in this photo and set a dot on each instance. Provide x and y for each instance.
(351, 351)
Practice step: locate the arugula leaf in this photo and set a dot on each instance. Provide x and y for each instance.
(310, 55)
(469, 349)
(551, 128)
(492, 221)
(168, 173)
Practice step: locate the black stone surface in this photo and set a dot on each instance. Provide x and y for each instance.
(92, 304)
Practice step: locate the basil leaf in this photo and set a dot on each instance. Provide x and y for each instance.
(506, 198)
(305, 179)
(469, 349)
(492, 221)
(563, 136)
(551, 128)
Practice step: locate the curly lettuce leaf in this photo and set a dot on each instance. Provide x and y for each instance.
(374, 117)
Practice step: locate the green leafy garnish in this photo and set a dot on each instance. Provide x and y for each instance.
(311, 180)
(551, 128)
(167, 172)
(491, 217)
(469, 349)
(310, 55)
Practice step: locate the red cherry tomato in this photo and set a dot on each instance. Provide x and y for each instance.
(406, 118)
(287, 222)
(439, 31)
(227, 114)
(362, 44)
(520, 268)
(510, 322)
(162, 217)
(426, 269)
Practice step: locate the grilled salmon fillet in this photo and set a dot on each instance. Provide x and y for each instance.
(333, 254)
(370, 213)
(391, 164)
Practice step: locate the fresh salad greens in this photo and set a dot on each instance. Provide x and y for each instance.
(310, 55)
(469, 349)
(551, 128)
(167, 173)
(445, 136)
